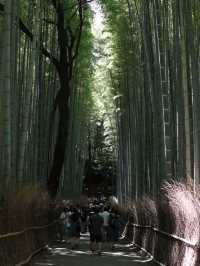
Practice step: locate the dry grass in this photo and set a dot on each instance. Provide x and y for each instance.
(23, 209)
(184, 206)
(176, 211)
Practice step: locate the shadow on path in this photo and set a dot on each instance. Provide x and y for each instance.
(61, 255)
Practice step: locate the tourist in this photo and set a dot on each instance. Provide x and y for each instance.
(95, 224)
(114, 228)
(104, 213)
(84, 214)
(75, 227)
(62, 225)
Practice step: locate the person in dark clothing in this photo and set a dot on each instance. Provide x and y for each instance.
(75, 227)
(95, 225)
(114, 227)
(84, 214)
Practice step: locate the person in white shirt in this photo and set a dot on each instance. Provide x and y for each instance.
(104, 213)
(62, 224)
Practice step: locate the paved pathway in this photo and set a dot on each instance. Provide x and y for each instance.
(61, 255)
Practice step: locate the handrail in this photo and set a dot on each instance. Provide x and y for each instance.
(143, 249)
(175, 237)
(28, 259)
(27, 229)
(148, 253)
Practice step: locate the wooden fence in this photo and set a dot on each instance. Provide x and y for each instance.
(21, 237)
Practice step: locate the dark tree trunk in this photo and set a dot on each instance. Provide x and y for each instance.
(62, 133)
(62, 105)
(68, 42)
(59, 152)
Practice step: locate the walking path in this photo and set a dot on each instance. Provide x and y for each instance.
(61, 255)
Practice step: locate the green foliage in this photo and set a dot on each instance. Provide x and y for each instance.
(102, 93)
(138, 77)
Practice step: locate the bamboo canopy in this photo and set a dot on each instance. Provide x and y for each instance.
(139, 76)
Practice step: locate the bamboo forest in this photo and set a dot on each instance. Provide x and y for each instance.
(100, 132)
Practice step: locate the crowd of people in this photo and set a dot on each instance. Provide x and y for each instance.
(98, 218)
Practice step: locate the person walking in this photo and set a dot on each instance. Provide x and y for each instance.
(105, 214)
(114, 228)
(95, 225)
(68, 224)
(62, 225)
(84, 215)
(75, 227)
